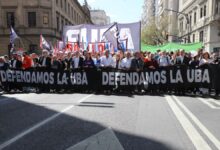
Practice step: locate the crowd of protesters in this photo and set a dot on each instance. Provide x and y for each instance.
(134, 61)
(119, 60)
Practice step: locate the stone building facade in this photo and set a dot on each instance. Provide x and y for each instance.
(204, 22)
(99, 17)
(30, 18)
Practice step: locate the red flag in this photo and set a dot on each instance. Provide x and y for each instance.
(101, 47)
(92, 47)
(76, 47)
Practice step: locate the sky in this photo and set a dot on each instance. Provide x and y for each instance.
(121, 11)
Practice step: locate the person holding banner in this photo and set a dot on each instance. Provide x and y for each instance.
(45, 60)
(15, 63)
(126, 62)
(137, 64)
(107, 61)
(77, 62)
(27, 61)
(118, 61)
(68, 60)
(88, 62)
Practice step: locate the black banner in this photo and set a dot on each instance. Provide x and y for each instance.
(174, 77)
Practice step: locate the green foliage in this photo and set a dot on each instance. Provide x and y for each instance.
(155, 33)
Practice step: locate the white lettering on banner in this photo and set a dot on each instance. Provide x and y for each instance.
(78, 79)
(51, 78)
(111, 78)
(28, 77)
(46, 78)
(33, 78)
(177, 79)
(84, 79)
(128, 78)
(190, 75)
(206, 76)
(40, 76)
(135, 78)
(123, 79)
(156, 77)
(142, 79)
(198, 76)
(18, 76)
(72, 35)
(3, 76)
(150, 77)
(125, 34)
(104, 78)
(163, 77)
(107, 78)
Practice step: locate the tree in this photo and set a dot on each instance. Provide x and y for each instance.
(155, 32)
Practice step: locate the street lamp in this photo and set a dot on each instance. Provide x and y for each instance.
(188, 21)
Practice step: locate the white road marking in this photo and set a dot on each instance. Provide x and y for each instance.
(104, 140)
(207, 102)
(193, 134)
(214, 101)
(38, 125)
(211, 137)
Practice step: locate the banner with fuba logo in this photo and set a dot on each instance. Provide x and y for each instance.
(121, 36)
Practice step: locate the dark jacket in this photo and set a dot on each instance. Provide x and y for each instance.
(18, 64)
(48, 62)
(137, 64)
(80, 62)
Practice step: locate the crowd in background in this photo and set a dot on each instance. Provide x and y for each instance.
(135, 61)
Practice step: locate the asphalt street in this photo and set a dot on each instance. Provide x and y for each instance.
(108, 122)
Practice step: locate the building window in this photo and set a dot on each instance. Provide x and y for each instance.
(201, 34)
(201, 12)
(46, 19)
(62, 23)
(58, 23)
(65, 5)
(68, 10)
(10, 19)
(195, 17)
(57, 2)
(217, 3)
(32, 19)
(193, 38)
(190, 20)
(204, 10)
(61, 3)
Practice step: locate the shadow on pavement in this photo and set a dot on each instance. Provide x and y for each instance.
(61, 133)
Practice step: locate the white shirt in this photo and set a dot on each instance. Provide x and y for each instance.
(107, 62)
(126, 63)
(204, 61)
(164, 61)
(44, 62)
(76, 62)
(14, 64)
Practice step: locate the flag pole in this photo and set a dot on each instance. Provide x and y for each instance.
(22, 43)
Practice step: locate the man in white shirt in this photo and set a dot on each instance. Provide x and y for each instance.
(107, 60)
(77, 61)
(164, 60)
(126, 62)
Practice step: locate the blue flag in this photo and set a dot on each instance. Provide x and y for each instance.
(13, 36)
